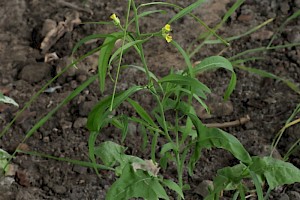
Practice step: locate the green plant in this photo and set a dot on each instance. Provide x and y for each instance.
(185, 136)
(6, 99)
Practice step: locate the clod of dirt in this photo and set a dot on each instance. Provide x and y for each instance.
(217, 106)
(80, 122)
(55, 32)
(59, 189)
(203, 188)
(85, 108)
(35, 72)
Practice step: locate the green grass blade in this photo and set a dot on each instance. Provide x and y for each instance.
(235, 6)
(72, 161)
(100, 112)
(124, 48)
(142, 113)
(193, 16)
(86, 39)
(266, 74)
(293, 16)
(104, 57)
(36, 95)
(186, 58)
(185, 80)
(64, 102)
(186, 11)
(258, 187)
(153, 146)
(259, 49)
(252, 30)
(146, 13)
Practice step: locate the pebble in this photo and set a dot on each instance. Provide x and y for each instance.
(59, 189)
(79, 169)
(46, 139)
(35, 72)
(85, 108)
(202, 188)
(293, 195)
(80, 122)
(284, 197)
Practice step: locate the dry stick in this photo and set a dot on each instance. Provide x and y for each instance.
(71, 5)
(237, 122)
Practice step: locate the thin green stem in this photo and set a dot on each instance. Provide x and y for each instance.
(121, 56)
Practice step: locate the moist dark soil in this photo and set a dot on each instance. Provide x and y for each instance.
(24, 71)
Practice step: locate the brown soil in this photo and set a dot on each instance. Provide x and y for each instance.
(269, 103)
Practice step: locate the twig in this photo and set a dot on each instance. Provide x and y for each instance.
(237, 122)
(71, 5)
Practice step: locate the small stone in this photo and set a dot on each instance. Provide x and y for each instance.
(262, 35)
(245, 18)
(35, 72)
(59, 189)
(284, 196)
(85, 108)
(284, 7)
(297, 3)
(79, 169)
(81, 78)
(293, 195)
(203, 188)
(46, 139)
(293, 36)
(80, 122)
(132, 128)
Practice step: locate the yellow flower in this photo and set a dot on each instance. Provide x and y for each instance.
(167, 28)
(165, 31)
(168, 38)
(115, 19)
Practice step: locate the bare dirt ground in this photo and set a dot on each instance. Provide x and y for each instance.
(23, 72)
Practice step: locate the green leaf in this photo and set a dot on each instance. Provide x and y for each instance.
(109, 152)
(228, 178)
(100, 112)
(276, 172)
(88, 38)
(216, 62)
(142, 113)
(185, 80)
(112, 154)
(213, 137)
(136, 184)
(8, 100)
(186, 10)
(4, 160)
(99, 116)
(124, 48)
(167, 147)
(173, 186)
(104, 56)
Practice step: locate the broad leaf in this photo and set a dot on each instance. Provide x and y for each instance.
(276, 172)
(173, 186)
(113, 154)
(215, 62)
(213, 137)
(136, 184)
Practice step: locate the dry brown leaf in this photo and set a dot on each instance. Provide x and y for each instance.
(56, 32)
(147, 165)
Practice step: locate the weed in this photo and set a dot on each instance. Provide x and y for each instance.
(185, 135)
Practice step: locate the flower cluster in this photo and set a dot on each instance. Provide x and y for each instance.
(166, 32)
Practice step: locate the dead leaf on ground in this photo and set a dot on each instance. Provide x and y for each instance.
(55, 32)
(147, 165)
